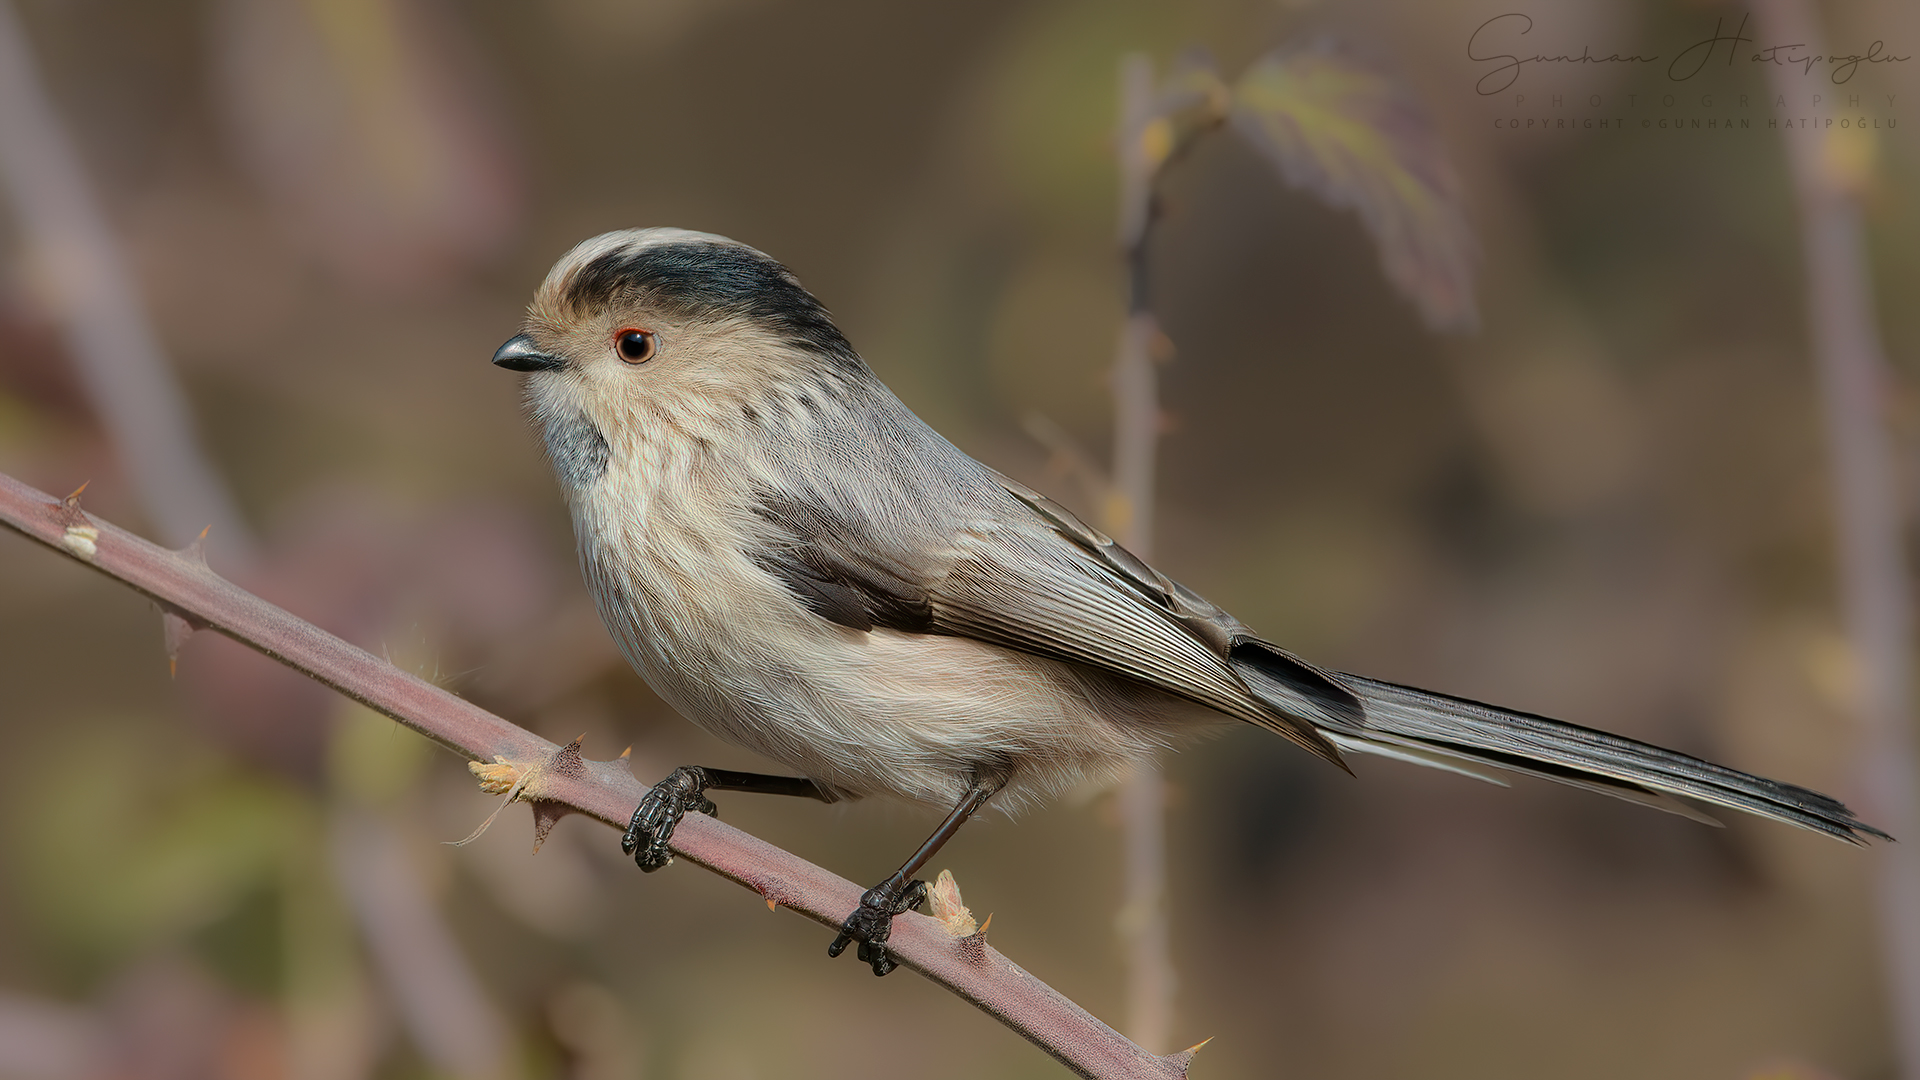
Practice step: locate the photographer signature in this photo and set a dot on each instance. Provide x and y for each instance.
(1689, 62)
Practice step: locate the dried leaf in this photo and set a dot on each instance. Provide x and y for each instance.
(496, 778)
(1354, 137)
(943, 903)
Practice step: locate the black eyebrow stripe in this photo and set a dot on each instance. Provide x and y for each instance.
(704, 278)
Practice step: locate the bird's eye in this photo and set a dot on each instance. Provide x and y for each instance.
(636, 346)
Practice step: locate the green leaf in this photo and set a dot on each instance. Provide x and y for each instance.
(1354, 137)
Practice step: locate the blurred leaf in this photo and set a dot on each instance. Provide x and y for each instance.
(154, 838)
(1354, 137)
(1193, 100)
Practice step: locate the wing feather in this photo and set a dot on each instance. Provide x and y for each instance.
(1008, 579)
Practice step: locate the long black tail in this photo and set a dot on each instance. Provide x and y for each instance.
(1457, 734)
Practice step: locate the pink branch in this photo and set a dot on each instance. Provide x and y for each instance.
(183, 586)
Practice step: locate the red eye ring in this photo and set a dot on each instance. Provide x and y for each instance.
(635, 345)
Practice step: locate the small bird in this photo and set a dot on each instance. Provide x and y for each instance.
(797, 563)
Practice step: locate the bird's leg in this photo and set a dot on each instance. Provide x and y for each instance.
(685, 789)
(872, 922)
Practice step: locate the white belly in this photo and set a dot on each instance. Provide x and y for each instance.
(918, 716)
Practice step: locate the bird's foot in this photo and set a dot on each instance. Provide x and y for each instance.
(872, 922)
(654, 819)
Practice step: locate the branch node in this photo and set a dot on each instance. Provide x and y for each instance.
(82, 538)
(81, 541)
(527, 781)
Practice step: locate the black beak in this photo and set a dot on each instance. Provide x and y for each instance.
(519, 354)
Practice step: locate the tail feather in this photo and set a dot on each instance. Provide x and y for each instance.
(1458, 734)
(1455, 761)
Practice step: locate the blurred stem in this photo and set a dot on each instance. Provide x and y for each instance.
(85, 276)
(1875, 585)
(1136, 432)
(605, 790)
(139, 402)
(332, 1032)
(434, 987)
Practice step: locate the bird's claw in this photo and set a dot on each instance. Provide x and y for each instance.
(871, 924)
(662, 808)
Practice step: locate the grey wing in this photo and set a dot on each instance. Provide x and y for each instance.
(1028, 575)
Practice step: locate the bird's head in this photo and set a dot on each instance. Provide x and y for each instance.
(666, 325)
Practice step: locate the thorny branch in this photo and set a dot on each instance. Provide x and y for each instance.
(558, 780)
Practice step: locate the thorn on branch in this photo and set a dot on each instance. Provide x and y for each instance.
(546, 814)
(197, 550)
(1184, 1058)
(176, 626)
(973, 947)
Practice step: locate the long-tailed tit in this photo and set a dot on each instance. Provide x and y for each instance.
(800, 565)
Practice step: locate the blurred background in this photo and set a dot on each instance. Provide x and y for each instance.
(314, 220)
